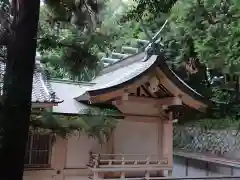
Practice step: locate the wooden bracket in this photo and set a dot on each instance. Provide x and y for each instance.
(153, 84)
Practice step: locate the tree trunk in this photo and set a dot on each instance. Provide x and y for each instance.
(16, 107)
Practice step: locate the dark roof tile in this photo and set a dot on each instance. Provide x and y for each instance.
(42, 91)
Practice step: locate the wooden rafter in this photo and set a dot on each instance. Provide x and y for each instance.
(176, 91)
(141, 91)
(138, 91)
(150, 94)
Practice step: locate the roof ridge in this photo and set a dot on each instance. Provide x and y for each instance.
(68, 81)
(122, 63)
(146, 45)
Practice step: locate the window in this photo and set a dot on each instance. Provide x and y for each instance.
(38, 150)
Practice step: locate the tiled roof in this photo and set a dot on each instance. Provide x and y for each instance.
(123, 74)
(42, 91)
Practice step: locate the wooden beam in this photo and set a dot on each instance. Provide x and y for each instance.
(128, 169)
(168, 101)
(143, 119)
(140, 109)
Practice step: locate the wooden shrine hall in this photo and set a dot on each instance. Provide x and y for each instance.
(151, 97)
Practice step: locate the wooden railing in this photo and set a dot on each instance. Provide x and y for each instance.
(126, 162)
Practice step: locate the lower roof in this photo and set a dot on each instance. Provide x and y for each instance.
(42, 91)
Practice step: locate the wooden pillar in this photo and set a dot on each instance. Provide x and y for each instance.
(109, 150)
(160, 144)
(168, 141)
(59, 157)
(110, 144)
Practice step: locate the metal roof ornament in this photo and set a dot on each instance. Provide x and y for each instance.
(154, 47)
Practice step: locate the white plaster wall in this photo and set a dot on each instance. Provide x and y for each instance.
(178, 167)
(133, 137)
(218, 170)
(78, 148)
(236, 171)
(199, 168)
(196, 168)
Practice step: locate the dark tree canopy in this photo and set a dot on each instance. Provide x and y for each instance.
(68, 36)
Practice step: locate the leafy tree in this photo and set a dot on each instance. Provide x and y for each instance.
(200, 35)
(65, 47)
(212, 28)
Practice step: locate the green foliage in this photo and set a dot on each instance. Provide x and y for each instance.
(94, 122)
(214, 28)
(83, 14)
(149, 10)
(121, 33)
(68, 37)
(67, 51)
(206, 30)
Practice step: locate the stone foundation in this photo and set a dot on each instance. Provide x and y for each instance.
(219, 142)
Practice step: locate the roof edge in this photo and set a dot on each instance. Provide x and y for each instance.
(183, 85)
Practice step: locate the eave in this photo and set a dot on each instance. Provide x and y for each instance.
(105, 94)
(158, 81)
(163, 69)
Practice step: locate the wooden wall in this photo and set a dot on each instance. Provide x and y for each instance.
(136, 138)
(70, 156)
(69, 159)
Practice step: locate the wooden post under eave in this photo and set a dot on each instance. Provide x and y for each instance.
(109, 150)
(160, 144)
(168, 141)
(110, 144)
